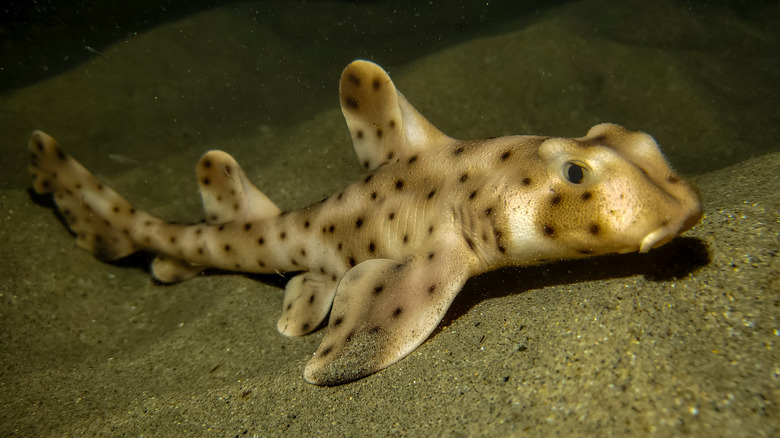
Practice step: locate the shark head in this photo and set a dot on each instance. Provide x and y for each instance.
(611, 191)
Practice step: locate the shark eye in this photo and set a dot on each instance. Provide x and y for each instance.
(574, 173)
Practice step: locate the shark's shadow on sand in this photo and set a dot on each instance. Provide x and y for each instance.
(675, 260)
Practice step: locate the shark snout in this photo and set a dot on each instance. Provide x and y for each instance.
(671, 228)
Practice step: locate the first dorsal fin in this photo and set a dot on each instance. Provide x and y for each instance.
(383, 124)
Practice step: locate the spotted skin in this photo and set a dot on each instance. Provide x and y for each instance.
(386, 256)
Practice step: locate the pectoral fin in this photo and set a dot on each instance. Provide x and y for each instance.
(383, 310)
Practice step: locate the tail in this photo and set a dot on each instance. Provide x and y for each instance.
(101, 219)
(109, 227)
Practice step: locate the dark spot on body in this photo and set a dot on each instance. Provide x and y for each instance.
(227, 248)
(391, 216)
(368, 178)
(464, 177)
(473, 194)
(594, 229)
(376, 84)
(505, 155)
(337, 322)
(586, 196)
(378, 289)
(379, 132)
(306, 224)
(305, 326)
(399, 184)
(351, 261)
(431, 194)
(397, 312)
(260, 240)
(549, 231)
(206, 181)
(247, 226)
(359, 134)
(326, 351)
(412, 159)
(351, 102)
(431, 289)
(372, 247)
(207, 163)
(526, 181)
(359, 223)
(555, 200)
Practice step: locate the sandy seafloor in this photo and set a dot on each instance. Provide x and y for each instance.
(680, 341)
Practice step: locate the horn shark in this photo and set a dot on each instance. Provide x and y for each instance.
(383, 259)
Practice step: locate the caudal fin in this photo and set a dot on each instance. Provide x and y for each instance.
(101, 219)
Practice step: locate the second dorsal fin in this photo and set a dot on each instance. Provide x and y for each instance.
(228, 195)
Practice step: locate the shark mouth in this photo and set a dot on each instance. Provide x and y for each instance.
(669, 230)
